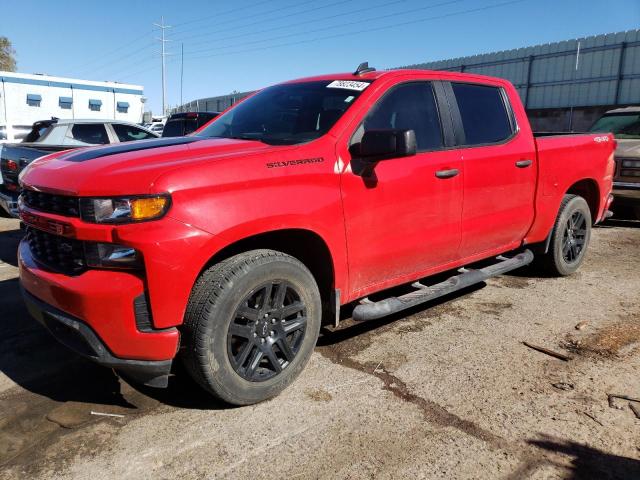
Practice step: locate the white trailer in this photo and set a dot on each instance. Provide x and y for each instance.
(27, 98)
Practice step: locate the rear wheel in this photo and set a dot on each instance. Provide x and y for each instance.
(569, 238)
(251, 325)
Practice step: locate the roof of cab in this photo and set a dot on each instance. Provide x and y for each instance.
(371, 76)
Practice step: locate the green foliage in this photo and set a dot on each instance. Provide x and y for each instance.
(7, 56)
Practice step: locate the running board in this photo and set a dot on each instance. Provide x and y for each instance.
(368, 310)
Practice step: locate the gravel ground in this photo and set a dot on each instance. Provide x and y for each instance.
(445, 391)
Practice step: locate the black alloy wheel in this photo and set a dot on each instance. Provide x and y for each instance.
(570, 235)
(574, 237)
(267, 331)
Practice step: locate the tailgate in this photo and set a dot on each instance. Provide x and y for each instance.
(13, 158)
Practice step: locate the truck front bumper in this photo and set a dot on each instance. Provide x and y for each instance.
(80, 337)
(9, 202)
(93, 314)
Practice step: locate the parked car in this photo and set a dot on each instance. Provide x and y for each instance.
(181, 124)
(157, 128)
(55, 135)
(229, 248)
(624, 123)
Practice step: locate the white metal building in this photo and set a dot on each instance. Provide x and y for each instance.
(27, 98)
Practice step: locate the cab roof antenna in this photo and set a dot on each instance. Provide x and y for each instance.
(364, 68)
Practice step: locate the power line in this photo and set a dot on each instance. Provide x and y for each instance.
(141, 50)
(299, 4)
(364, 30)
(297, 24)
(219, 14)
(346, 34)
(331, 27)
(100, 58)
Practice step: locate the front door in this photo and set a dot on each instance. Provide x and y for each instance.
(403, 218)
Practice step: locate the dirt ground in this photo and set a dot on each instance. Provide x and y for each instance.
(446, 391)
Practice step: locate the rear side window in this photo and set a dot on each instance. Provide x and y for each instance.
(485, 117)
(411, 106)
(93, 133)
(177, 127)
(128, 133)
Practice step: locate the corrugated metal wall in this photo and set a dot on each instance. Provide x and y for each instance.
(545, 75)
(211, 104)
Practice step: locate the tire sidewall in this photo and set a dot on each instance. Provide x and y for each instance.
(576, 204)
(219, 372)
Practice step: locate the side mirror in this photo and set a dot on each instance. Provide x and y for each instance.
(384, 144)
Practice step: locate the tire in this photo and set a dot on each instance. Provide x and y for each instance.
(569, 238)
(239, 347)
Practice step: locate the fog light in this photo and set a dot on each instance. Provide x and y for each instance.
(110, 255)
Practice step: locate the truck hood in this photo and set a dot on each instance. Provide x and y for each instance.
(130, 168)
(628, 148)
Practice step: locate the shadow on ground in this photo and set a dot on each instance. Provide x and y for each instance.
(589, 463)
(9, 240)
(35, 361)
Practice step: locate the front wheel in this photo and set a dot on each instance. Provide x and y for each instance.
(569, 238)
(251, 325)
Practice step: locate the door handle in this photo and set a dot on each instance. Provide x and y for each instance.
(447, 173)
(523, 163)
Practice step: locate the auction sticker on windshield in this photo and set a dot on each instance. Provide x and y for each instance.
(349, 85)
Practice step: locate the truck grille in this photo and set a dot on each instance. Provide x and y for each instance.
(58, 253)
(46, 202)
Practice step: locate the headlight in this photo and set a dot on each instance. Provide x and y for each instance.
(124, 209)
(110, 255)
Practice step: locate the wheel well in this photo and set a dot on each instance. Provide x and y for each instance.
(588, 189)
(305, 245)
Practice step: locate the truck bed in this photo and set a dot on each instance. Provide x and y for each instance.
(561, 159)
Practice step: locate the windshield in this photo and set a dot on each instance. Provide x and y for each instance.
(37, 132)
(287, 114)
(622, 125)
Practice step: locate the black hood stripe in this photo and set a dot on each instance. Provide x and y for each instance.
(98, 152)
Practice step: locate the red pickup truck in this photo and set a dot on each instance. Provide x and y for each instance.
(231, 247)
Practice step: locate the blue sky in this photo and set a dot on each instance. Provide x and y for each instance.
(244, 45)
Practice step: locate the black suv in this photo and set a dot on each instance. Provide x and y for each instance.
(181, 124)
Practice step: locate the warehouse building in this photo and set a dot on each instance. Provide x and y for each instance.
(564, 86)
(211, 104)
(27, 98)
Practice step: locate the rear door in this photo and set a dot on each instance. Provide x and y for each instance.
(500, 168)
(402, 219)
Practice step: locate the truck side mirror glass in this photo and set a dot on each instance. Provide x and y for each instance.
(384, 144)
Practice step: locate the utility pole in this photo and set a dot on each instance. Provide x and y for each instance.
(181, 70)
(163, 54)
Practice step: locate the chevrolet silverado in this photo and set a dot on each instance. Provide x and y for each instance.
(229, 248)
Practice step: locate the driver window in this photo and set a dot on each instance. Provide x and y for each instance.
(411, 106)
